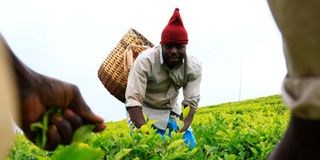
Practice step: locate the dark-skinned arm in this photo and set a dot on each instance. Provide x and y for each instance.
(136, 116)
(188, 120)
(301, 140)
(39, 93)
(298, 23)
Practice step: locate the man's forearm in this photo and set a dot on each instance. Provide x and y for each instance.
(301, 141)
(188, 120)
(136, 116)
(24, 75)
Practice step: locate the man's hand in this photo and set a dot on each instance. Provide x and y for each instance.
(188, 120)
(48, 93)
(39, 93)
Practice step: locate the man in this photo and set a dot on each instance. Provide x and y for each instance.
(300, 28)
(156, 77)
(35, 95)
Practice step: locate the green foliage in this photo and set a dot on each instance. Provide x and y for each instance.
(185, 112)
(83, 133)
(25, 150)
(41, 127)
(246, 130)
(78, 151)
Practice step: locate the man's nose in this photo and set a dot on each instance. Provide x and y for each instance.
(174, 51)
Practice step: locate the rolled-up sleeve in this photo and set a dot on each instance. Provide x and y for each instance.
(136, 86)
(191, 91)
(302, 96)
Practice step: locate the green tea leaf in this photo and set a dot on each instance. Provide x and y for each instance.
(82, 133)
(186, 111)
(36, 126)
(230, 157)
(78, 151)
(122, 153)
(144, 146)
(175, 143)
(254, 150)
(41, 127)
(194, 151)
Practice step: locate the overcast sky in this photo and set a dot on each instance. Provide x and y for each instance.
(236, 40)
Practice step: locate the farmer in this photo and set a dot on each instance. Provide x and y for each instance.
(300, 28)
(156, 77)
(35, 95)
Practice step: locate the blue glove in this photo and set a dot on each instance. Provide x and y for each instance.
(161, 132)
(172, 124)
(189, 138)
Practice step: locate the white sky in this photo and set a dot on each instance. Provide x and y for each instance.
(237, 42)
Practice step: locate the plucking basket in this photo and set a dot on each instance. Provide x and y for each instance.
(113, 72)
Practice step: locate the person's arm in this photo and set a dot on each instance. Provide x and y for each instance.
(301, 140)
(298, 23)
(38, 93)
(136, 116)
(135, 91)
(188, 119)
(191, 93)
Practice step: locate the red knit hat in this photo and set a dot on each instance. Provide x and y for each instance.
(174, 32)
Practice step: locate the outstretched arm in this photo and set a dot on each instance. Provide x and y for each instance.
(191, 93)
(38, 93)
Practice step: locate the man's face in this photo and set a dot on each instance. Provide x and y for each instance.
(173, 54)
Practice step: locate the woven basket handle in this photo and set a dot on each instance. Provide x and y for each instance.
(128, 58)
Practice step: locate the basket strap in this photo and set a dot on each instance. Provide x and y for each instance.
(128, 58)
(185, 72)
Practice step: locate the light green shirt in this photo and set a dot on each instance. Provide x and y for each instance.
(154, 87)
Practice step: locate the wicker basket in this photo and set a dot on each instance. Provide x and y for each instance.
(113, 72)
